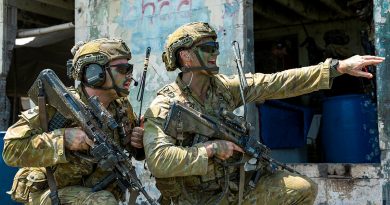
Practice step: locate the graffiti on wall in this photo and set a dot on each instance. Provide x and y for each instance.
(151, 21)
(143, 23)
(164, 3)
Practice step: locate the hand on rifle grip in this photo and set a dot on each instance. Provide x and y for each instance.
(221, 149)
(76, 139)
(135, 138)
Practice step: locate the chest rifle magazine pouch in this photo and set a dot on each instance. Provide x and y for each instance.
(27, 180)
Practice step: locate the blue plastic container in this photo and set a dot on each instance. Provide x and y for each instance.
(283, 125)
(7, 176)
(349, 130)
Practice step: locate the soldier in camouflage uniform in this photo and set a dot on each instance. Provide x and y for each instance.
(27, 146)
(185, 169)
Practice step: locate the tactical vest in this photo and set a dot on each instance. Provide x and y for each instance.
(171, 188)
(30, 179)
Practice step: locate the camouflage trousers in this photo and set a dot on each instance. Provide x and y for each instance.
(75, 195)
(278, 188)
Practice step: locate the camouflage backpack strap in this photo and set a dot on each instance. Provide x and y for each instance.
(125, 106)
(125, 117)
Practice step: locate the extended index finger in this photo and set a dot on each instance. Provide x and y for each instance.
(369, 57)
(372, 62)
(237, 148)
(89, 142)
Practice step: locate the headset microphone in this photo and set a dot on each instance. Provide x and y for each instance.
(135, 82)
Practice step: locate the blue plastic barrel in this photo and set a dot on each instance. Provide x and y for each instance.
(350, 130)
(7, 175)
(284, 125)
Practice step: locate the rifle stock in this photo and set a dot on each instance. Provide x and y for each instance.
(110, 156)
(185, 119)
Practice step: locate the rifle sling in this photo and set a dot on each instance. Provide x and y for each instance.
(49, 171)
(55, 200)
(241, 185)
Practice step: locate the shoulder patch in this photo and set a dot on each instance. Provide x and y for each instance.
(170, 90)
(30, 114)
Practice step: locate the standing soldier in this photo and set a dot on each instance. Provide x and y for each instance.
(104, 71)
(185, 168)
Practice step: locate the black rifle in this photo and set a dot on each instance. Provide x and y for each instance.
(183, 119)
(109, 156)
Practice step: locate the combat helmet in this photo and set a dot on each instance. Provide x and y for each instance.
(184, 37)
(100, 51)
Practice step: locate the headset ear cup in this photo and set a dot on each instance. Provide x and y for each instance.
(94, 75)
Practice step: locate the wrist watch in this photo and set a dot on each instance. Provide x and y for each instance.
(334, 64)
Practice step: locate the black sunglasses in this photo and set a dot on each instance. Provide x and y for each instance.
(124, 68)
(209, 47)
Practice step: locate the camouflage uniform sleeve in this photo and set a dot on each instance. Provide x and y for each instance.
(285, 84)
(26, 146)
(164, 159)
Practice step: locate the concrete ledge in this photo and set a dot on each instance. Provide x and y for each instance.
(339, 171)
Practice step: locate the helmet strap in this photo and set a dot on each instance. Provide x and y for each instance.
(114, 86)
(97, 87)
(196, 51)
(202, 64)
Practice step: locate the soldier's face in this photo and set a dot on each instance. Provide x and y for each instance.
(208, 52)
(122, 72)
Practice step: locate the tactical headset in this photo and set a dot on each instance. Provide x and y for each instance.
(94, 75)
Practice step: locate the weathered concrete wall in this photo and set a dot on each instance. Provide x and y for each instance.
(382, 44)
(345, 184)
(7, 42)
(143, 23)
